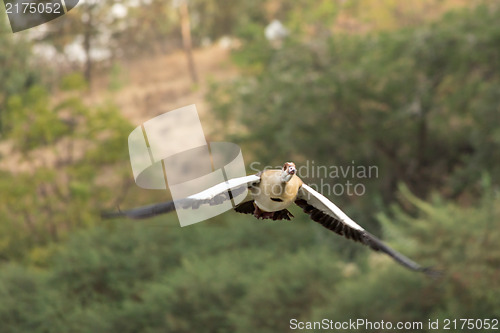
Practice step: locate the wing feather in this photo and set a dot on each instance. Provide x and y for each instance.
(214, 195)
(325, 212)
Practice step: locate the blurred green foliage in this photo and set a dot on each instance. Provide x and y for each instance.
(52, 185)
(241, 275)
(418, 103)
(214, 19)
(16, 73)
(117, 77)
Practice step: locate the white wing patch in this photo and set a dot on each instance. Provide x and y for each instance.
(319, 201)
(222, 187)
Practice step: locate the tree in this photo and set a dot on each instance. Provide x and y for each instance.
(92, 22)
(54, 191)
(186, 38)
(16, 72)
(395, 91)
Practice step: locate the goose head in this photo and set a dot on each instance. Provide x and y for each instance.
(288, 171)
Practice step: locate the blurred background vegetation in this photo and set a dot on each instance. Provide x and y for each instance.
(409, 87)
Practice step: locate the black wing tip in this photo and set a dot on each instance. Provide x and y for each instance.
(365, 238)
(431, 272)
(376, 244)
(111, 215)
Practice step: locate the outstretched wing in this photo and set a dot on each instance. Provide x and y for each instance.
(325, 212)
(214, 195)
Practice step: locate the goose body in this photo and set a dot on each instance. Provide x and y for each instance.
(272, 192)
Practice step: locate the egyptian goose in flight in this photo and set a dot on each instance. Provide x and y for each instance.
(272, 192)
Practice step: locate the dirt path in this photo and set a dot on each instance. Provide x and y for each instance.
(155, 85)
